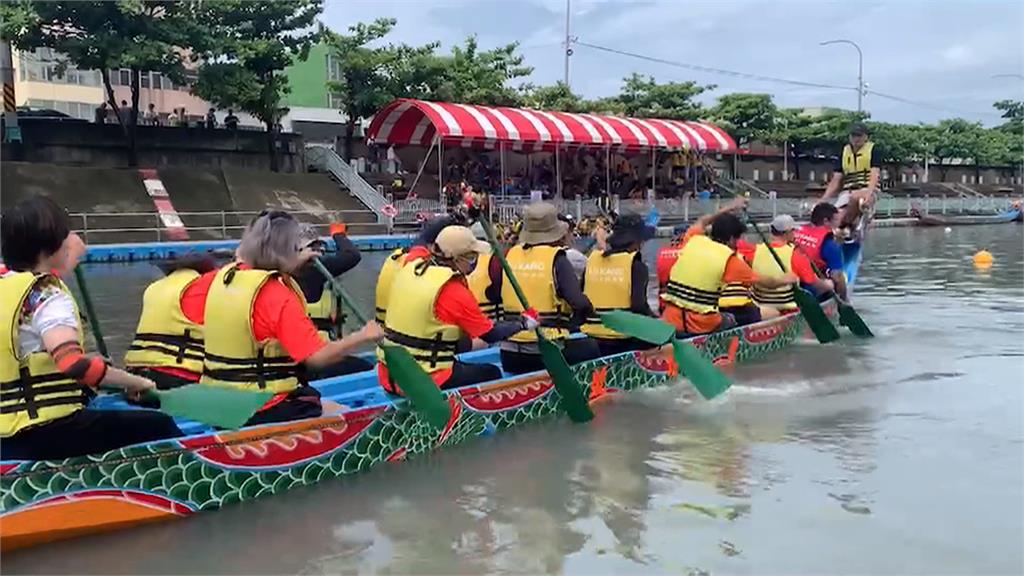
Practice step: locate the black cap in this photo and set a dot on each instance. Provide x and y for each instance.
(630, 229)
(858, 128)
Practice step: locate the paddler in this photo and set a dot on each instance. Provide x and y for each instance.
(46, 378)
(399, 257)
(552, 289)
(781, 300)
(321, 305)
(857, 173)
(706, 264)
(479, 279)
(616, 279)
(258, 336)
(818, 242)
(168, 343)
(667, 255)
(432, 307)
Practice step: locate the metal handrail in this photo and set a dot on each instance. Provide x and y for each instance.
(325, 158)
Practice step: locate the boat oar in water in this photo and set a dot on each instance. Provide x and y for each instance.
(219, 407)
(847, 315)
(823, 328)
(424, 395)
(697, 368)
(573, 400)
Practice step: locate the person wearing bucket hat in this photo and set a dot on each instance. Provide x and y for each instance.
(781, 300)
(432, 306)
(551, 286)
(857, 173)
(616, 279)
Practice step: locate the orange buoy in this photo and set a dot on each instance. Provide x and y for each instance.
(983, 259)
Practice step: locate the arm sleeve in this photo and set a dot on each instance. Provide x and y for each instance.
(739, 272)
(639, 276)
(501, 331)
(567, 286)
(278, 313)
(56, 310)
(345, 258)
(494, 271)
(837, 166)
(832, 254)
(457, 305)
(802, 268)
(876, 157)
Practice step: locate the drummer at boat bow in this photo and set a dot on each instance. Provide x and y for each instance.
(431, 306)
(258, 336)
(46, 379)
(706, 265)
(774, 301)
(551, 287)
(857, 173)
(616, 279)
(817, 241)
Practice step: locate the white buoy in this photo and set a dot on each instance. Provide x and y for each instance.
(948, 229)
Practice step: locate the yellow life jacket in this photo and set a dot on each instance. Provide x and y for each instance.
(479, 281)
(734, 294)
(535, 270)
(857, 166)
(410, 321)
(695, 282)
(765, 265)
(392, 264)
(33, 390)
(608, 284)
(234, 359)
(324, 314)
(165, 337)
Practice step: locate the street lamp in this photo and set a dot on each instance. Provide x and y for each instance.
(860, 68)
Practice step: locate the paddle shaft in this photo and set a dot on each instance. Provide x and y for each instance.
(338, 291)
(509, 276)
(766, 243)
(94, 320)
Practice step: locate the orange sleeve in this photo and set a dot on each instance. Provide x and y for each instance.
(802, 268)
(746, 250)
(457, 305)
(416, 252)
(193, 299)
(278, 313)
(694, 230)
(738, 271)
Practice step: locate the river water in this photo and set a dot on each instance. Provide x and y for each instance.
(897, 455)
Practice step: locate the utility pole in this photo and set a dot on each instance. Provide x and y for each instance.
(860, 69)
(568, 41)
(10, 111)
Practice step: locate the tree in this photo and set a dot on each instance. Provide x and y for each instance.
(815, 134)
(557, 96)
(1013, 111)
(956, 139)
(643, 97)
(252, 42)
(474, 76)
(748, 117)
(143, 37)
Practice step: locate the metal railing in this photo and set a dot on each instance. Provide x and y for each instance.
(324, 158)
(224, 224)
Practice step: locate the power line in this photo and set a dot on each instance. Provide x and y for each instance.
(711, 70)
(928, 105)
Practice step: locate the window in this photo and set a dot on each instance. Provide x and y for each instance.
(124, 77)
(144, 80)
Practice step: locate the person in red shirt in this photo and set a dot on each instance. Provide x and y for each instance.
(774, 301)
(436, 308)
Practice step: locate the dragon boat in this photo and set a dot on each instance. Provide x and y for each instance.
(361, 427)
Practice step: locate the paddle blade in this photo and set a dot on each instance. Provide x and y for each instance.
(699, 370)
(573, 400)
(637, 326)
(212, 405)
(823, 328)
(851, 319)
(424, 395)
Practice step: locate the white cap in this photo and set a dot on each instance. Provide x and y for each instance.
(783, 223)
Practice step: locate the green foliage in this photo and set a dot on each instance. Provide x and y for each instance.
(471, 75)
(748, 117)
(558, 96)
(643, 97)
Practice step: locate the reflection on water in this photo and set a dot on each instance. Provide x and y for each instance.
(901, 454)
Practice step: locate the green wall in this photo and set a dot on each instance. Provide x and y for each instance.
(308, 80)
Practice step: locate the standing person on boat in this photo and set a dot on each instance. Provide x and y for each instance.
(781, 300)
(400, 256)
(432, 306)
(817, 241)
(46, 379)
(856, 173)
(257, 331)
(706, 264)
(552, 289)
(616, 279)
(168, 344)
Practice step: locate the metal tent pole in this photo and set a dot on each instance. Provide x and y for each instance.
(440, 172)
(558, 175)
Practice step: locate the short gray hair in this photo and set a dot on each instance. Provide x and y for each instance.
(271, 242)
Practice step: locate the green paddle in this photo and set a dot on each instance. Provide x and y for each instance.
(701, 372)
(823, 328)
(424, 395)
(220, 407)
(573, 400)
(847, 315)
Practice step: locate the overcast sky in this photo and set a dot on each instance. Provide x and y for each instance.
(942, 54)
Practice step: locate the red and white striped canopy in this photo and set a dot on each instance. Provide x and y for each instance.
(418, 122)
